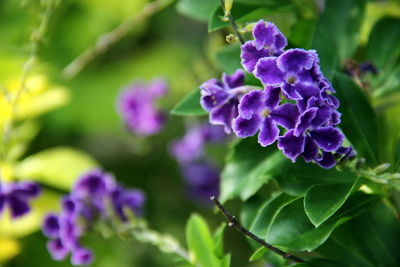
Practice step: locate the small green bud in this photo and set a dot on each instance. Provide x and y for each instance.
(382, 168)
(231, 38)
(228, 7)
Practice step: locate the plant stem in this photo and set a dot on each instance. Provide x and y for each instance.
(106, 40)
(233, 222)
(233, 24)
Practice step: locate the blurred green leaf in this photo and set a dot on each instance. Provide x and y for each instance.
(258, 254)
(247, 168)
(359, 122)
(190, 105)
(383, 47)
(387, 83)
(336, 39)
(58, 167)
(219, 241)
(322, 201)
(200, 242)
(267, 212)
(228, 58)
(291, 228)
(199, 10)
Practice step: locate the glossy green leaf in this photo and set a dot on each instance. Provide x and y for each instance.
(383, 47)
(322, 201)
(258, 254)
(189, 106)
(200, 242)
(198, 10)
(336, 39)
(267, 212)
(359, 122)
(291, 228)
(368, 240)
(297, 178)
(247, 168)
(58, 167)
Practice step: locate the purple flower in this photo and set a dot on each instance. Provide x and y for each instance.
(138, 110)
(268, 41)
(259, 111)
(95, 199)
(202, 180)
(220, 99)
(191, 146)
(292, 71)
(16, 196)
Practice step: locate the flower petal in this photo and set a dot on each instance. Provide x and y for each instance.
(305, 121)
(81, 256)
(268, 132)
(51, 226)
(234, 80)
(224, 114)
(295, 60)
(246, 127)
(327, 160)
(57, 250)
(328, 138)
(272, 97)
(310, 150)
(267, 71)
(251, 103)
(286, 115)
(292, 146)
(250, 55)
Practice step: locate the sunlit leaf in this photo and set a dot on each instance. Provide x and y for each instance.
(189, 106)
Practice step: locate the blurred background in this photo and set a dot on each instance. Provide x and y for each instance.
(167, 44)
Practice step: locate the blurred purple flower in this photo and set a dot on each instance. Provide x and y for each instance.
(191, 146)
(95, 198)
(16, 196)
(138, 109)
(202, 180)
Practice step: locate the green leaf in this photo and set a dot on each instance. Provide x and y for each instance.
(322, 201)
(336, 39)
(297, 178)
(359, 122)
(219, 241)
(383, 47)
(368, 240)
(267, 212)
(258, 254)
(248, 12)
(228, 58)
(226, 261)
(200, 242)
(190, 105)
(198, 10)
(247, 168)
(292, 230)
(317, 263)
(58, 167)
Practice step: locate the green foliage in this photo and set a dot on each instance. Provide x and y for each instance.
(384, 43)
(200, 10)
(359, 122)
(204, 249)
(189, 106)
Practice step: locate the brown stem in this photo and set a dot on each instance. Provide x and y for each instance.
(233, 24)
(233, 222)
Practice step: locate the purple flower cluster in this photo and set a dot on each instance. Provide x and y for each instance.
(138, 110)
(200, 174)
(296, 107)
(16, 196)
(95, 198)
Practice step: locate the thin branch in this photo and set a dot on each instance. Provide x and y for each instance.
(233, 222)
(233, 24)
(106, 40)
